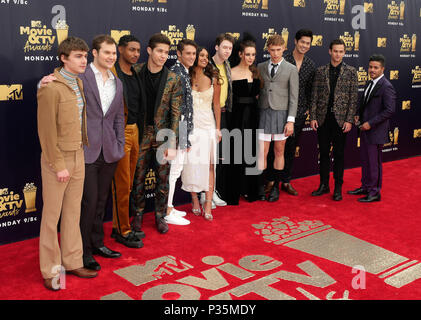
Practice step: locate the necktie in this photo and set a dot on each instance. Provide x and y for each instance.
(368, 91)
(272, 71)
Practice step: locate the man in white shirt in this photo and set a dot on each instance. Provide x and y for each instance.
(105, 113)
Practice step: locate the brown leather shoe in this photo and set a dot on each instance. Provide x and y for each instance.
(50, 284)
(287, 187)
(83, 273)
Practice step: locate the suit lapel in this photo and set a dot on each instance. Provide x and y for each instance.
(265, 69)
(279, 70)
(375, 89)
(91, 82)
(161, 88)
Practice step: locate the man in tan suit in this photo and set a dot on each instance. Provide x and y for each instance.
(62, 134)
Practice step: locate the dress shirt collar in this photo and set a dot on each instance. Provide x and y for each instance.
(97, 72)
(377, 80)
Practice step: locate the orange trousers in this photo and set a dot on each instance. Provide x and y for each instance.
(123, 180)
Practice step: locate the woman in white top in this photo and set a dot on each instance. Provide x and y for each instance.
(199, 171)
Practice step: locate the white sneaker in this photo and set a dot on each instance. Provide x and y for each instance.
(177, 212)
(174, 219)
(203, 198)
(217, 200)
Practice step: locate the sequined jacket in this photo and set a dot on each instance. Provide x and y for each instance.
(186, 108)
(167, 106)
(345, 99)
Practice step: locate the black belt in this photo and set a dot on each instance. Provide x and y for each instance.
(244, 100)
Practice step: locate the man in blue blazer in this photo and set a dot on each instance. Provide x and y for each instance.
(376, 108)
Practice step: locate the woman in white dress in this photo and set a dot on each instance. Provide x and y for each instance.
(199, 171)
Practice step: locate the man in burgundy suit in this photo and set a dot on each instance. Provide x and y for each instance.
(376, 108)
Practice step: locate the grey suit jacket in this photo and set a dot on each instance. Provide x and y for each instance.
(281, 91)
(105, 132)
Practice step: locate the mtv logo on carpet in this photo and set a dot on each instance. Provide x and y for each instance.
(153, 270)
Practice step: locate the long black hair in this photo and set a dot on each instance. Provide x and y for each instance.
(210, 71)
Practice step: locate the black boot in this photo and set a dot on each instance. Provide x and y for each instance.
(261, 194)
(323, 188)
(274, 192)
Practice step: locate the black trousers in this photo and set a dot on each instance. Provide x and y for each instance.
(331, 134)
(221, 174)
(96, 188)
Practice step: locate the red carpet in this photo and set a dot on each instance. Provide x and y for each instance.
(298, 248)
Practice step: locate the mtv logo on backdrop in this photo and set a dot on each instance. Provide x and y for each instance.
(317, 41)
(368, 7)
(394, 74)
(406, 105)
(381, 42)
(11, 92)
(299, 3)
(117, 34)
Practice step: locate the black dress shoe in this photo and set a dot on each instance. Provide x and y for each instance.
(161, 225)
(369, 198)
(130, 240)
(357, 191)
(322, 190)
(140, 234)
(337, 196)
(106, 253)
(90, 263)
(274, 193)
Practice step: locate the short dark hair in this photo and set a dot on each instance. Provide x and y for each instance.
(224, 36)
(71, 44)
(379, 58)
(100, 39)
(336, 42)
(304, 33)
(124, 40)
(185, 42)
(158, 38)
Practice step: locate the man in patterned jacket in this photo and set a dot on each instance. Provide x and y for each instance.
(186, 53)
(161, 98)
(333, 106)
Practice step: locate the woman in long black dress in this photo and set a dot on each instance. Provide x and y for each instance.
(244, 117)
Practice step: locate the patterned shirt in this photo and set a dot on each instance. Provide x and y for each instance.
(306, 77)
(71, 80)
(186, 109)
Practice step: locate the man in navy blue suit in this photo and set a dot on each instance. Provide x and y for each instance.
(376, 108)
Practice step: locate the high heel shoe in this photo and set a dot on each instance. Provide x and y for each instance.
(196, 212)
(206, 215)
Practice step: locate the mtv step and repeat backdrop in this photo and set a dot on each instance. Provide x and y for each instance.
(31, 30)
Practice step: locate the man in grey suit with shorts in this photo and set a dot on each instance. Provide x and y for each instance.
(278, 107)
